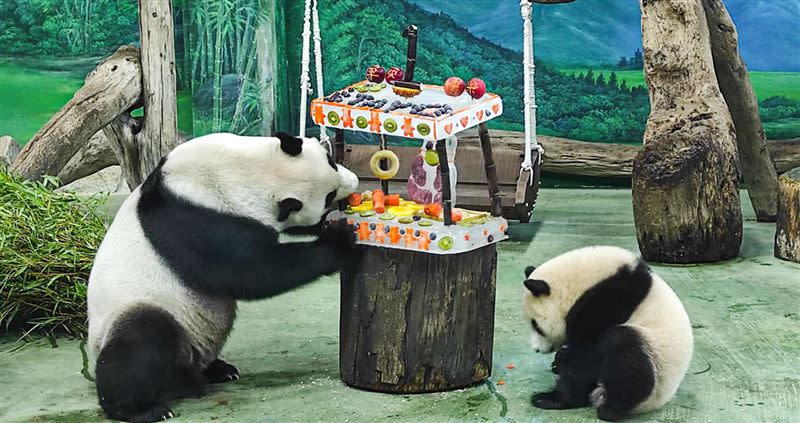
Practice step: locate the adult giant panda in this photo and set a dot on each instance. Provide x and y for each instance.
(624, 340)
(222, 218)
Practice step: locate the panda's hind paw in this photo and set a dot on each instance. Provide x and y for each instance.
(220, 372)
(155, 414)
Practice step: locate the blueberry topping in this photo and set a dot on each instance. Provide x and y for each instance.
(433, 236)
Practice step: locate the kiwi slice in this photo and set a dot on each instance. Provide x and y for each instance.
(361, 122)
(350, 211)
(405, 220)
(367, 213)
(387, 216)
(361, 88)
(446, 243)
(431, 158)
(390, 125)
(375, 88)
(333, 118)
(423, 129)
(425, 223)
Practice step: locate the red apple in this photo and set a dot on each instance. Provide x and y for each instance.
(476, 88)
(454, 86)
(375, 74)
(394, 74)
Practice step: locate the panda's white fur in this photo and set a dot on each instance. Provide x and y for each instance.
(279, 187)
(658, 318)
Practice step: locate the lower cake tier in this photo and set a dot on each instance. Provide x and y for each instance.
(423, 233)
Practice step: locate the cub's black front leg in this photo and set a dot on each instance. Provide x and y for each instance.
(568, 393)
(576, 367)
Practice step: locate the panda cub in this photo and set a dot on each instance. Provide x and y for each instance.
(222, 218)
(622, 336)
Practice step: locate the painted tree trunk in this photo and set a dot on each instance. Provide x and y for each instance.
(787, 234)
(217, 108)
(415, 322)
(685, 190)
(758, 170)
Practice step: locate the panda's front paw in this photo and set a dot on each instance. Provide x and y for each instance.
(340, 235)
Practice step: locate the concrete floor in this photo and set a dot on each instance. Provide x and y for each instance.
(746, 315)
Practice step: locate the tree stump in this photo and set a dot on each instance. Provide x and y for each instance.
(685, 190)
(787, 234)
(415, 322)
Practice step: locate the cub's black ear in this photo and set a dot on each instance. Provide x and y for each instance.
(289, 144)
(529, 270)
(287, 206)
(537, 287)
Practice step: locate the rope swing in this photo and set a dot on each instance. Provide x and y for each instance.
(311, 22)
(529, 92)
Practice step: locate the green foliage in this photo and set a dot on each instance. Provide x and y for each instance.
(66, 27)
(47, 244)
(217, 39)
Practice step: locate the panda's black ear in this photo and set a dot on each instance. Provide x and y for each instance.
(287, 206)
(289, 144)
(537, 287)
(529, 270)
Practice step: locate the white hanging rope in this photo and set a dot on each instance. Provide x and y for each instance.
(305, 81)
(529, 67)
(323, 135)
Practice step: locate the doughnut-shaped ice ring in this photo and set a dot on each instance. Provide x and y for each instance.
(375, 164)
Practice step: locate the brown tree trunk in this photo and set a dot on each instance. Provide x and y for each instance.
(787, 234)
(159, 134)
(93, 157)
(685, 190)
(758, 171)
(113, 87)
(416, 322)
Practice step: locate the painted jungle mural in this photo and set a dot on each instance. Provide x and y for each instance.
(238, 61)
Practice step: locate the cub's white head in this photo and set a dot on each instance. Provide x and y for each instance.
(552, 289)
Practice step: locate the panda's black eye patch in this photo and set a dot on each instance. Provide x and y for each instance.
(536, 327)
(329, 198)
(332, 163)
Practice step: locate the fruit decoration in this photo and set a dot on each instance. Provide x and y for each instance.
(454, 86)
(476, 88)
(394, 74)
(407, 89)
(376, 74)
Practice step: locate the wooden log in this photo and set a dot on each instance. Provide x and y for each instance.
(787, 234)
(93, 157)
(113, 87)
(685, 190)
(758, 170)
(785, 154)
(415, 322)
(562, 156)
(159, 134)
